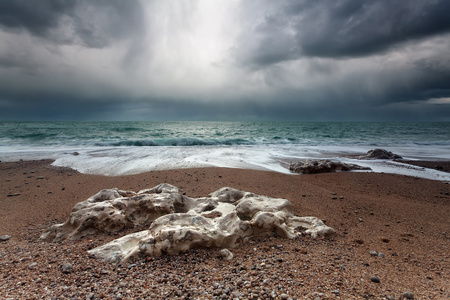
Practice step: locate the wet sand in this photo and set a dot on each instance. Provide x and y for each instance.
(407, 219)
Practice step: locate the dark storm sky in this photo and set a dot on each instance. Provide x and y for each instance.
(225, 60)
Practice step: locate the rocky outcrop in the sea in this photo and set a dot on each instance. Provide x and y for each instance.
(177, 223)
(322, 166)
(379, 154)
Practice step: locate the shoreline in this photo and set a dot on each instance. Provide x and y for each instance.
(405, 218)
(439, 165)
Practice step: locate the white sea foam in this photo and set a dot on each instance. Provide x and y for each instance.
(123, 160)
(133, 160)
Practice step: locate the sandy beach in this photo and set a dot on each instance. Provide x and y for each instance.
(392, 240)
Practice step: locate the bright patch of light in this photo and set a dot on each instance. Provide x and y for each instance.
(438, 101)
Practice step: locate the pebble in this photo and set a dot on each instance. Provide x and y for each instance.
(13, 195)
(373, 253)
(375, 279)
(381, 255)
(226, 254)
(284, 296)
(67, 268)
(4, 238)
(408, 295)
(32, 265)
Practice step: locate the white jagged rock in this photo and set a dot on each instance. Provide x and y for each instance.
(177, 223)
(112, 210)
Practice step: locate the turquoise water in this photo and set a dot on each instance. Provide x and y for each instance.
(114, 148)
(221, 133)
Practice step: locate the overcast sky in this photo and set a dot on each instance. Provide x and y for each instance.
(225, 60)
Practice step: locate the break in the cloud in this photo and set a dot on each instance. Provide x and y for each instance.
(215, 59)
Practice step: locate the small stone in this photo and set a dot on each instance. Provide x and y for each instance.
(284, 296)
(14, 195)
(226, 254)
(375, 279)
(67, 268)
(373, 253)
(341, 197)
(408, 295)
(381, 255)
(32, 265)
(390, 298)
(4, 238)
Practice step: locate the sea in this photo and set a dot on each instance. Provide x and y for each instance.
(121, 148)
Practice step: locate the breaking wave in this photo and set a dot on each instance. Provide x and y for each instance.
(176, 142)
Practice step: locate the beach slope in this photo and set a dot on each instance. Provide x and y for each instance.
(392, 238)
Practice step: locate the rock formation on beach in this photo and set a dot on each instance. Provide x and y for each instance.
(379, 154)
(322, 166)
(177, 223)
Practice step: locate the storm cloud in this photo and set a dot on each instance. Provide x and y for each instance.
(338, 29)
(227, 60)
(94, 24)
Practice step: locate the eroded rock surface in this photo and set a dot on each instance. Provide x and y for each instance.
(112, 210)
(322, 166)
(177, 223)
(379, 154)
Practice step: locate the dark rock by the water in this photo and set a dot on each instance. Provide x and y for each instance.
(379, 154)
(322, 166)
